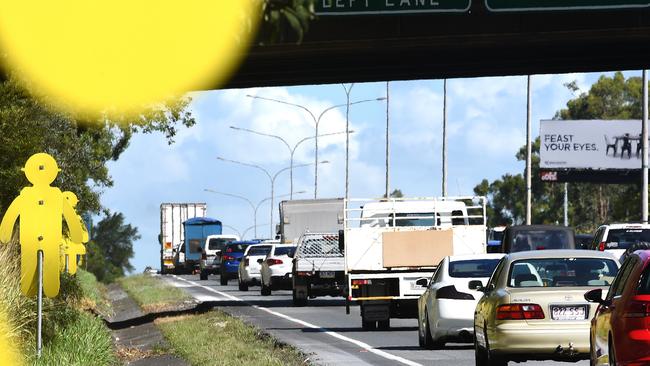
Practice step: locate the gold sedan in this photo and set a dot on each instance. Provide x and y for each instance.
(533, 307)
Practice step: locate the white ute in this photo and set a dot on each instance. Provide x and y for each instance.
(318, 267)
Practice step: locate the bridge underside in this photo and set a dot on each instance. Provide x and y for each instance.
(434, 46)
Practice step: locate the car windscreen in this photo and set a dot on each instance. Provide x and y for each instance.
(259, 250)
(496, 235)
(625, 238)
(285, 251)
(472, 268)
(236, 248)
(218, 243)
(562, 272)
(541, 239)
(414, 219)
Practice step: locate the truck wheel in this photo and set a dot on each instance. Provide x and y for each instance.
(243, 286)
(368, 324)
(299, 301)
(223, 279)
(384, 324)
(265, 290)
(203, 276)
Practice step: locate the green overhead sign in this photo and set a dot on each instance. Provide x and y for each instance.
(374, 7)
(545, 5)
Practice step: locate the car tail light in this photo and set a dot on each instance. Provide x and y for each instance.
(602, 246)
(228, 258)
(638, 307)
(541, 247)
(361, 282)
(450, 292)
(273, 261)
(303, 273)
(519, 312)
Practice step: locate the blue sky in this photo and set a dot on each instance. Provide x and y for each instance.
(486, 126)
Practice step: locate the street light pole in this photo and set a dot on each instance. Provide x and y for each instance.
(233, 229)
(387, 140)
(316, 121)
(644, 159)
(241, 198)
(292, 150)
(528, 154)
(444, 138)
(271, 178)
(347, 139)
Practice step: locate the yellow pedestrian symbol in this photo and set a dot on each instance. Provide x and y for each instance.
(40, 209)
(71, 251)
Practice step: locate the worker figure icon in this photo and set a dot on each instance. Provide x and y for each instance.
(72, 251)
(40, 208)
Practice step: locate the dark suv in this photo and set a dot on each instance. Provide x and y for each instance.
(537, 237)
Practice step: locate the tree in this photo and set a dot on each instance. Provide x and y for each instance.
(279, 15)
(111, 247)
(81, 147)
(590, 204)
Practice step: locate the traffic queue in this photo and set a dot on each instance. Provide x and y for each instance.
(537, 302)
(539, 293)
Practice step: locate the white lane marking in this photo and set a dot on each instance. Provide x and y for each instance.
(363, 345)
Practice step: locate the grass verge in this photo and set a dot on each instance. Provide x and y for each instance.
(153, 294)
(216, 338)
(71, 335)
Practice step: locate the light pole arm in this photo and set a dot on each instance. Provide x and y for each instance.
(286, 103)
(247, 164)
(232, 195)
(263, 134)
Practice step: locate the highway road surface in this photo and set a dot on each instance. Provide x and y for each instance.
(323, 330)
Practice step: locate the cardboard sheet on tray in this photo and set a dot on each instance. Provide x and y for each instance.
(416, 248)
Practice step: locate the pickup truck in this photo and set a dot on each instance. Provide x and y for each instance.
(318, 267)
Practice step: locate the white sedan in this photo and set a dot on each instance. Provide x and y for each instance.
(249, 267)
(446, 309)
(277, 268)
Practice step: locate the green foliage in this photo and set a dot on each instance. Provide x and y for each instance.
(216, 338)
(70, 336)
(589, 204)
(111, 248)
(82, 146)
(152, 294)
(285, 20)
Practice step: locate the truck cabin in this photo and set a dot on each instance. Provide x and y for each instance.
(414, 214)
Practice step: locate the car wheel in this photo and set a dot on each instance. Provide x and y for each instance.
(223, 279)
(492, 359)
(430, 343)
(592, 354)
(368, 324)
(480, 354)
(243, 286)
(421, 337)
(203, 276)
(611, 354)
(265, 290)
(298, 301)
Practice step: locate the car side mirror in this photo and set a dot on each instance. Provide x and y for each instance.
(341, 240)
(423, 282)
(291, 255)
(476, 285)
(260, 261)
(595, 295)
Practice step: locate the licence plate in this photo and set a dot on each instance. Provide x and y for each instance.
(327, 274)
(568, 312)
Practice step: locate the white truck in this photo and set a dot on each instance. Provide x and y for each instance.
(315, 215)
(172, 235)
(318, 267)
(392, 246)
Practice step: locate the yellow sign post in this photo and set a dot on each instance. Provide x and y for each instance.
(40, 209)
(72, 251)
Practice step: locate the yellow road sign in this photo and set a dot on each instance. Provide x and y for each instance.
(40, 209)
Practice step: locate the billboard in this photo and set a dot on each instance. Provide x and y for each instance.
(590, 144)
